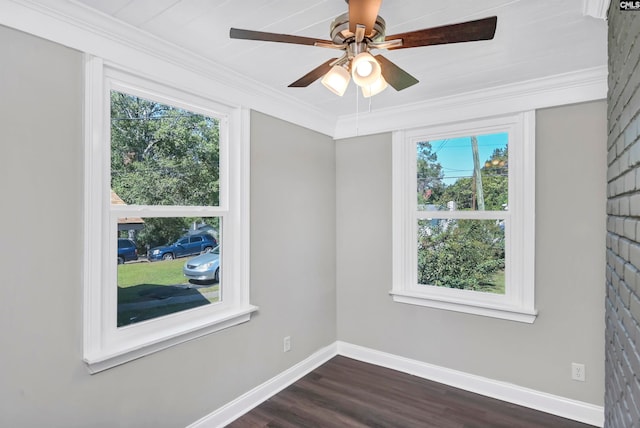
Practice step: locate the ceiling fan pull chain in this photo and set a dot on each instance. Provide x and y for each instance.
(357, 113)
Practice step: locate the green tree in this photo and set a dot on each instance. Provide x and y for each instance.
(495, 179)
(163, 155)
(429, 174)
(463, 254)
(460, 192)
(498, 162)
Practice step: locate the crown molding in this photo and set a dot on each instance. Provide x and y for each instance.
(568, 88)
(596, 8)
(74, 25)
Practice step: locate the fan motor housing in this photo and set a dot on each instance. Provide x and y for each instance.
(340, 34)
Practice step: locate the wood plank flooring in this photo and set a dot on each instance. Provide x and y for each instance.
(347, 393)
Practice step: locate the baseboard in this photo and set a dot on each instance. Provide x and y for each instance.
(548, 403)
(510, 393)
(241, 405)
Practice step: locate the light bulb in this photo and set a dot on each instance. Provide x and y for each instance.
(365, 70)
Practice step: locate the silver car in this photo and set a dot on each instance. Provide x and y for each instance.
(205, 267)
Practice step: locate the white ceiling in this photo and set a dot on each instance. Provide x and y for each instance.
(534, 39)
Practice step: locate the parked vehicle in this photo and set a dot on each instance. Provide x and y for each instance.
(185, 246)
(205, 267)
(127, 250)
(204, 228)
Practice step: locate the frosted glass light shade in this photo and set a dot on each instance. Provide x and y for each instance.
(377, 87)
(336, 80)
(365, 70)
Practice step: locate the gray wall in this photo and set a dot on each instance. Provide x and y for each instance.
(570, 252)
(622, 402)
(43, 381)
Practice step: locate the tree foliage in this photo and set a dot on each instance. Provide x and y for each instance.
(460, 253)
(461, 192)
(163, 155)
(429, 172)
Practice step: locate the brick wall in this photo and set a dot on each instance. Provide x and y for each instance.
(622, 359)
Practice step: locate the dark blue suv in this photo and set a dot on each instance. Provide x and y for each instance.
(185, 246)
(127, 250)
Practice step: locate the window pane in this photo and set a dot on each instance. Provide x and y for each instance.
(165, 272)
(468, 173)
(464, 254)
(162, 155)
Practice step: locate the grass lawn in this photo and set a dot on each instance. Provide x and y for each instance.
(497, 284)
(150, 290)
(161, 273)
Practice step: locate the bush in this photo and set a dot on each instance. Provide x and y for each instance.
(462, 254)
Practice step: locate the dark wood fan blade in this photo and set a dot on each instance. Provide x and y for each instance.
(313, 75)
(237, 33)
(394, 75)
(482, 29)
(363, 12)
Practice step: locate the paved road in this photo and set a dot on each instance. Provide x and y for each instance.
(172, 300)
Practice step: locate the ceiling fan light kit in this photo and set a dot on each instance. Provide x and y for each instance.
(337, 80)
(359, 31)
(374, 89)
(365, 70)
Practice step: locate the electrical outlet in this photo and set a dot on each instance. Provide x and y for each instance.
(287, 344)
(578, 372)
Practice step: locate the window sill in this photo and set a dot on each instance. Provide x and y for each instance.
(107, 359)
(511, 313)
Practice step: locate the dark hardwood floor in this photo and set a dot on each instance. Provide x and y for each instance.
(348, 393)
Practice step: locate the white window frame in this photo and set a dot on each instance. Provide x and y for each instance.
(105, 344)
(518, 302)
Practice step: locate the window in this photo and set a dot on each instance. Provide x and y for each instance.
(463, 217)
(166, 216)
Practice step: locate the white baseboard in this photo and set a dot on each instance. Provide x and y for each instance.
(241, 405)
(542, 401)
(510, 393)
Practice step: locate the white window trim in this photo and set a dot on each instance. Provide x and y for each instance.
(106, 345)
(518, 302)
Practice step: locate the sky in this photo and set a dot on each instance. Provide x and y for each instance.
(456, 157)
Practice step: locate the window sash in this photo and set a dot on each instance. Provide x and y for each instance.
(518, 301)
(123, 82)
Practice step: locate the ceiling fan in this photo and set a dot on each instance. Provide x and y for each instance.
(361, 30)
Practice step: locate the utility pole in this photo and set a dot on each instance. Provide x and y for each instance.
(476, 174)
